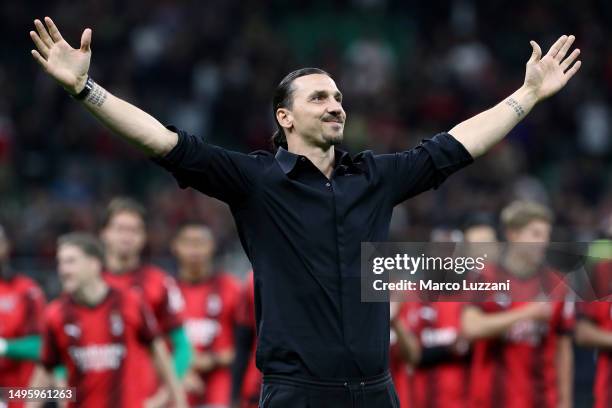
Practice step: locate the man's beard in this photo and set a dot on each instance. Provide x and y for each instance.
(334, 140)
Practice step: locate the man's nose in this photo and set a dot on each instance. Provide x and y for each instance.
(335, 108)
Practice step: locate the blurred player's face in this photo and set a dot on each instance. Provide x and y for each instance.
(316, 114)
(124, 235)
(479, 234)
(75, 267)
(194, 247)
(534, 238)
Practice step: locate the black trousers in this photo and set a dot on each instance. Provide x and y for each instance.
(283, 391)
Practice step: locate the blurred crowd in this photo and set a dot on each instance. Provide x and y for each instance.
(407, 69)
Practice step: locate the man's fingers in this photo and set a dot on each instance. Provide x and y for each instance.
(40, 45)
(53, 31)
(566, 46)
(86, 40)
(568, 61)
(556, 46)
(39, 59)
(572, 71)
(536, 53)
(42, 32)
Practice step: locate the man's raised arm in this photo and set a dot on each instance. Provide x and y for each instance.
(70, 66)
(543, 78)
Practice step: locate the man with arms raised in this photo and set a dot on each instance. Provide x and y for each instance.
(302, 214)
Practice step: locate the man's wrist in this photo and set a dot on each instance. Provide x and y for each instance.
(529, 95)
(85, 89)
(80, 86)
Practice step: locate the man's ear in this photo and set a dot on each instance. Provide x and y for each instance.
(284, 118)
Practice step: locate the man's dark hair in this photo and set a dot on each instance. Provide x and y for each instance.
(86, 242)
(477, 220)
(124, 204)
(283, 98)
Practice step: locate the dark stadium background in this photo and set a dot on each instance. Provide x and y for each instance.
(408, 69)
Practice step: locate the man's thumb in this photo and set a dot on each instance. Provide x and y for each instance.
(537, 52)
(86, 40)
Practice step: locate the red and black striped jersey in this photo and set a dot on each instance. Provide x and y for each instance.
(101, 347)
(600, 313)
(162, 295)
(21, 312)
(159, 290)
(440, 383)
(210, 310)
(518, 369)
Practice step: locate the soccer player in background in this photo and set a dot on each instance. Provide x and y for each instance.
(314, 205)
(433, 343)
(211, 297)
(246, 378)
(522, 352)
(124, 238)
(99, 333)
(21, 310)
(594, 329)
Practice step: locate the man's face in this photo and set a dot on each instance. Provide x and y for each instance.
(75, 268)
(316, 114)
(533, 239)
(124, 235)
(480, 234)
(194, 247)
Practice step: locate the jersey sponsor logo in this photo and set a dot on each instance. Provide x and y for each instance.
(202, 332)
(7, 303)
(438, 337)
(214, 305)
(428, 313)
(503, 300)
(116, 324)
(527, 331)
(99, 357)
(72, 330)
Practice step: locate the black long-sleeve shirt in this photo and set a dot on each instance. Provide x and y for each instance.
(302, 233)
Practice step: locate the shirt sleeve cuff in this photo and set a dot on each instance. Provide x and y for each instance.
(447, 153)
(175, 155)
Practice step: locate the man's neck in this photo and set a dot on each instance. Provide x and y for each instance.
(118, 264)
(91, 293)
(322, 157)
(195, 274)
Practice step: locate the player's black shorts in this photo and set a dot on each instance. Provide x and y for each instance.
(283, 391)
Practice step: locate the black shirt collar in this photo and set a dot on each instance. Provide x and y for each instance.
(288, 160)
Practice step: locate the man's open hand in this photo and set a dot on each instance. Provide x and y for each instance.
(67, 65)
(546, 76)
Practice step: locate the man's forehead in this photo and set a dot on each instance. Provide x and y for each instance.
(314, 82)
